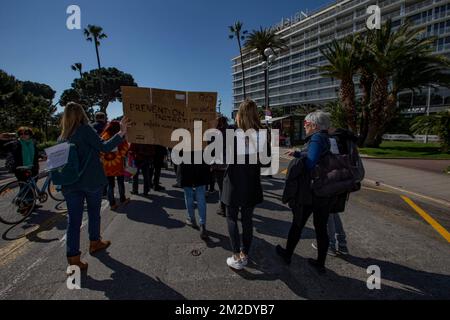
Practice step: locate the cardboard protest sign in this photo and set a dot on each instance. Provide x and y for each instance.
(155, 113)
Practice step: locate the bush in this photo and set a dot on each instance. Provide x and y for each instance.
(44, 145)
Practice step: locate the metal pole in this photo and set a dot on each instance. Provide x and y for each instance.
(428, 111)
(267, 87)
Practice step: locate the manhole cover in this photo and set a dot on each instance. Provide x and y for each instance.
(196, 252)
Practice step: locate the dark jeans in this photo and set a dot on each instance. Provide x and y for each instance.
(75, 206)
(247, 228)
(156, 170)
(144, 167)
(219, 175)
(320, 209)
(212, 182)
(111, 185)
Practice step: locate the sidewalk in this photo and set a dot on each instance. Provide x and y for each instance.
(400, 174)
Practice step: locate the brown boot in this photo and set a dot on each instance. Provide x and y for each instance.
(75, 261)
(98, 245)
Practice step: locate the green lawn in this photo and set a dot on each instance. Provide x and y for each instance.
(401, 149)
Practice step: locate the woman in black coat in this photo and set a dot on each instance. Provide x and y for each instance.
(242, 190)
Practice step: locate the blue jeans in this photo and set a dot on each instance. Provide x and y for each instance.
(199, 193)
(336, 231)
(75, 206)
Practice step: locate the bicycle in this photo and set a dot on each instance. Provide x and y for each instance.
(18, 198)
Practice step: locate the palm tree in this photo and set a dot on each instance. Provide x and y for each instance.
(260, 40)
(95, 34)
(342, 64)
(78, 67)
(237, 32)
(400, 60)
(438, 124)
(366, 79)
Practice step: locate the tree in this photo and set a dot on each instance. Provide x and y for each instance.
(237, 32)
(438, 124)
(24, 103)
(260, 40)
(78, 67)
(84, 90)
(342, 64)
(401, 59)
(339, 118)
(95, 34)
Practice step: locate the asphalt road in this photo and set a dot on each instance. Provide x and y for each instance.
(151, 252)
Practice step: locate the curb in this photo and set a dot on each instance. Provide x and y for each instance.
(401, 158)
(419, 195)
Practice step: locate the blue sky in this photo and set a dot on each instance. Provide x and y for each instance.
(169, 44)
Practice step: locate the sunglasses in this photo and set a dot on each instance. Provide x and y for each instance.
(27, 133)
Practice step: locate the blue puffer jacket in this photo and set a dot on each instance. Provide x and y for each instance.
(317, 145)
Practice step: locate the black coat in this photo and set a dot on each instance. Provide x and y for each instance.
(242, 185)
(15, 148)
(193, 175)
(297, 189)
(242, 182)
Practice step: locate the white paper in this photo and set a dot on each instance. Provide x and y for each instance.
(333, 146)
(57, 156)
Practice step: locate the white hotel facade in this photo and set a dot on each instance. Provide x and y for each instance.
(293, 77)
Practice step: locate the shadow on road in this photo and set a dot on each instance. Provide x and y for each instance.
(152, 212)
(305, 282)
(278, 228)
(128, 283)
(38, 222)
(421, 283)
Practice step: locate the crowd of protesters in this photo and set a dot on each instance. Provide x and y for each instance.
(106, 158)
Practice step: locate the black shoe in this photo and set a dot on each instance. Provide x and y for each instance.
(159, 188)
(318, 267)
(283, 254)
(203, 233)
(221, 212)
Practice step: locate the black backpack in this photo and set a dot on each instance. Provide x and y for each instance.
(337, 174)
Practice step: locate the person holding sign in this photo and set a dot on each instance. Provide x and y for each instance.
(89, 186)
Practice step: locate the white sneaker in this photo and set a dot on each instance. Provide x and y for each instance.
(244, 261)
(235, 264)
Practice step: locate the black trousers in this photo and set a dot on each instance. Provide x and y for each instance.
(144, 167)
(155, 173)
(320, 209)
(247, 228)
(219, 175)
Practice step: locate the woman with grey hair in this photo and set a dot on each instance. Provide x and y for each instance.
(317, 145)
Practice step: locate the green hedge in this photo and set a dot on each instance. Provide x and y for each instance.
(44, 145)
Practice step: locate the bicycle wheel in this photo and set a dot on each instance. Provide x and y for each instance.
(55, 192)
(17, 201)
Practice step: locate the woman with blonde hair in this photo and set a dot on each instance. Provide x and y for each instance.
(242, 189)
(89, 187)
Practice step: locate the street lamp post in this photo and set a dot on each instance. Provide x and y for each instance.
(268, 57)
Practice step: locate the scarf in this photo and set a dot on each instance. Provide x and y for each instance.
(27, 152)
